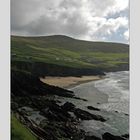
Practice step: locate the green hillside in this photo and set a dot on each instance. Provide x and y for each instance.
(66, 51)
(19, 131)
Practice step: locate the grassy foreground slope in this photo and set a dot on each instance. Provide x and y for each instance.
(19, 131)
(65, 51)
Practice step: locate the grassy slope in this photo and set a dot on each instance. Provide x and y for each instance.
(19, 131)
(66, 51)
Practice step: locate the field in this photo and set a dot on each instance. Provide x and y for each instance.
(66, 51)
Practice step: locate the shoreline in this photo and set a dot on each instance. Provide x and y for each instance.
(83, 82)
(70, 81)
(99, 98)
(57, 115)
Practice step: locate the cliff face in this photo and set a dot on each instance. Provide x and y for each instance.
(25, 84)
(44, 69)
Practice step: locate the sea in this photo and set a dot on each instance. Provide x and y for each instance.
(116, 86)
(111, 96)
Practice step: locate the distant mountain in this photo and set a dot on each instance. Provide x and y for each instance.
(71, 53)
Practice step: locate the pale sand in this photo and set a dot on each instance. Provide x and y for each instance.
(67, 82)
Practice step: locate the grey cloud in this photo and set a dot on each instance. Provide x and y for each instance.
(45, 25)
(68, 4)
(52, 21)
(76, 18)
(100, 7)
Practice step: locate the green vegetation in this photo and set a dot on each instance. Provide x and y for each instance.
(70, 57)
(66, 51)
(19, 131)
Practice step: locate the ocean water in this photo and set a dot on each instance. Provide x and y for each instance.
(111, 95)
(116, 86)
(116, 109)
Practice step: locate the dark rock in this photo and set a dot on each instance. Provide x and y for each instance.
(64, 130)
(80, 98)
(93, 108)
(84, 99)
(91, 138)
(59, 91)
(126, 114)
(108, 136)
(22, 101)
(68, 106)
(14, 106)
(98, 103)
(58, 101)
(27, 84)
(41, 133)
(55, 112)
(125, 136)
(53, 106)
(84, 115)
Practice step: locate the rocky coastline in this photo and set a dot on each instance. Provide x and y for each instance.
(34, 105)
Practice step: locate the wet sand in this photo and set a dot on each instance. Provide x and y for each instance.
(68, 82)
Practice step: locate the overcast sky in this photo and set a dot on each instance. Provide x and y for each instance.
(100, 20)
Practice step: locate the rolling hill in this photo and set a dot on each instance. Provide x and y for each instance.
(62, 53)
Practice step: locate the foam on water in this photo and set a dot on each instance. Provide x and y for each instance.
(116, 86)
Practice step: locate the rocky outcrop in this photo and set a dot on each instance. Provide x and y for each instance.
(93, 108)
(108, 136)
(58, 124)
(25, 84)
(126, 136)
(68, 106)
(84, 115)
(91, 138)
(56, 113)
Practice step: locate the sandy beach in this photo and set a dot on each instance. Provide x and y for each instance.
(68, 82)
